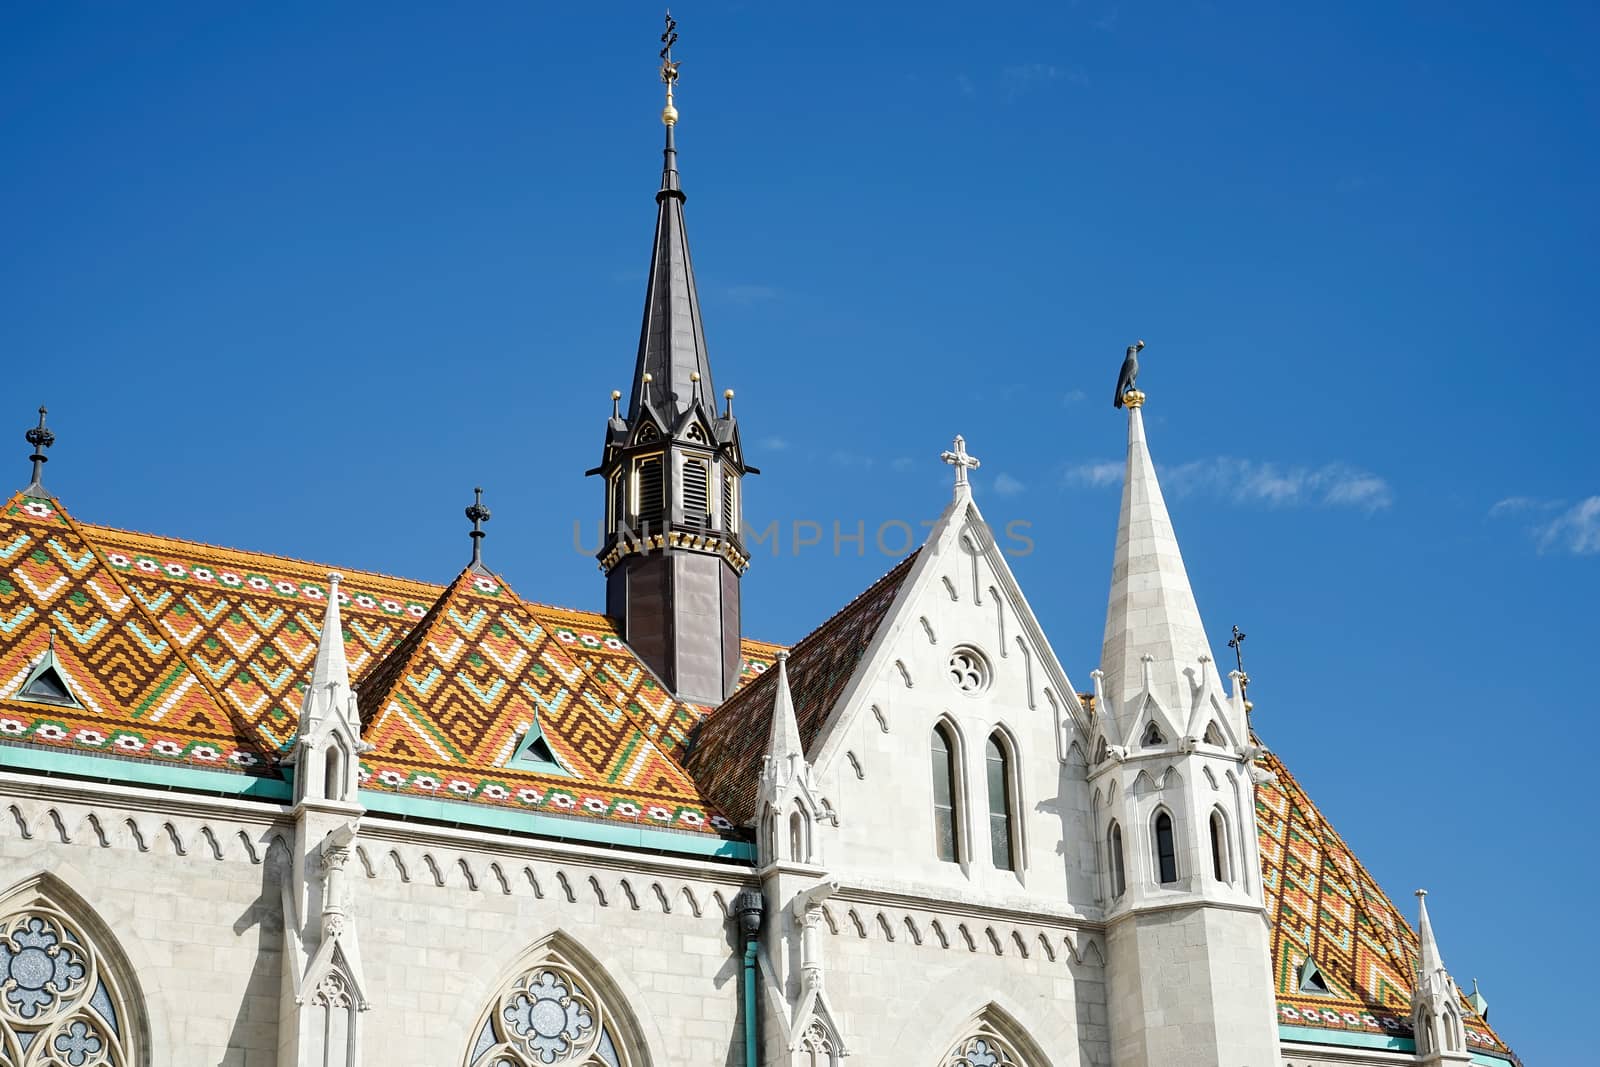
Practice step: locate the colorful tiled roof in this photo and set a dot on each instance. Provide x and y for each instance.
(1324, 904)
(189, 653)
(139, 695)
(727, 751)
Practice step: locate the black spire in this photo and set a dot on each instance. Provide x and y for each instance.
(673, 466)
(479, 515)
(40, 438)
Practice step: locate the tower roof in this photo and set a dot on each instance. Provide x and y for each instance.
(672, 341)
(1152, 611)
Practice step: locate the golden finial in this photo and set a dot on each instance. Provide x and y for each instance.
(669, 69)
(1133, 398)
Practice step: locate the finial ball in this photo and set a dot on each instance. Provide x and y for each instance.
(669, 115)
(727, 394)
(649, 377)
(616, 394)
(694, 376)
(335, 578)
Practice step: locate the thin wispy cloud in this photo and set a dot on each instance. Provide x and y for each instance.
(774, 444)
(1074, 396)
(1006, 485)
(1021, 78)
(1556, 525)
(1245, 481)
(1093, 475)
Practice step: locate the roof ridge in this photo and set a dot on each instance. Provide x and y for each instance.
(370, 698)
(245, 732)
(261, 554)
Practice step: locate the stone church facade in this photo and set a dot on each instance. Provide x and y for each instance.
(257, 814)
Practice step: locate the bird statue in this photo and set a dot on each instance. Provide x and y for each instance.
(1129, 374)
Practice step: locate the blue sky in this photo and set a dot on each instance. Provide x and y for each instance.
(297, 277)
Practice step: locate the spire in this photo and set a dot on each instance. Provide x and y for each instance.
(330, 669)
(1152, 612)
(672, 343)
(479, 515)
(784, 740)
(1428, 961)
(40, 438)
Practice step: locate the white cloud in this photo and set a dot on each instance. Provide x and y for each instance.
(1575, 530)
(1074, 396)
(1246, 481)
(1006, 485)
(903, 463)
(1250, 481)
(774, 444)
(1094, 475)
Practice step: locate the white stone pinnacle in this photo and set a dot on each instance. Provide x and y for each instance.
(1153, 627)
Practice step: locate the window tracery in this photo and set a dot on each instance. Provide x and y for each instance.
(548, 1015)
(982, 1050)
(60, 1005)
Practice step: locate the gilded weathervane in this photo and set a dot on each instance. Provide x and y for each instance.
(669, 68)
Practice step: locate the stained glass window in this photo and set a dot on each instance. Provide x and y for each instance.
(944, 794)
(548, 1015)
(59, 1000)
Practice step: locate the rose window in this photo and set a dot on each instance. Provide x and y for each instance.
(969, 670)
(548, 1015)
(58, 1004)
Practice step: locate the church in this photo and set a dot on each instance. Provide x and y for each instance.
(261, 812)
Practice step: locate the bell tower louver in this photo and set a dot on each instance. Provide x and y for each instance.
(673, 470)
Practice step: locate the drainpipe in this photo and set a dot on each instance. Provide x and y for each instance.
(748, 905)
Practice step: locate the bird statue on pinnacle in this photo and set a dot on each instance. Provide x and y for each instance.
(1129, 374)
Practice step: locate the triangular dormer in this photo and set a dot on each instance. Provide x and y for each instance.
(47, 681)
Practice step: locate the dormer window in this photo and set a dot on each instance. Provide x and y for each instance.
(1311, 980)
(533, 752)
(47, 683)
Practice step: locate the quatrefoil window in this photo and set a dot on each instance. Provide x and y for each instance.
(969, 671)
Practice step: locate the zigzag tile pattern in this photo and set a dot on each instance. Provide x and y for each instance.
(246, 625)
(447, 708)
(140, 697)
(1324, 904)
(727, 753)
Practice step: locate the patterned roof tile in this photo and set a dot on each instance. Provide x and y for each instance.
(1323, 904)
(727, 751)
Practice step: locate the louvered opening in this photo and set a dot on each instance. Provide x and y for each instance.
(696, 493)
(652, 498)
(730, 513)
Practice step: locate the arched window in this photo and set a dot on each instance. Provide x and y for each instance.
(63, 999)
(1166, 850)
(998, 768)
(1219, 847)
(1152, 736)
(986, 1048)
(1119, 878)
(333, 771)
(550, 1013)
(946, 834)
(797, 837)
(617, 501)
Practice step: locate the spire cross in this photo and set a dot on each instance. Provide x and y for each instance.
(961, 461)
(1236, 642)
(479, 515)
(40, 438)
(669, 66)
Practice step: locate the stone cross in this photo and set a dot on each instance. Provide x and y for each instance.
(961, 461)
